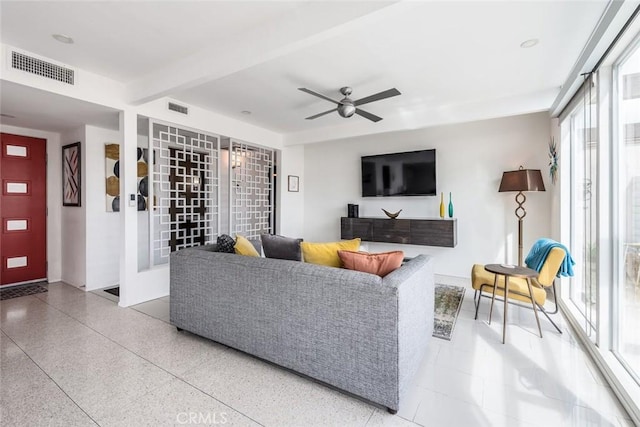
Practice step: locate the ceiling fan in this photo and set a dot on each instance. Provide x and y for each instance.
(348, 107)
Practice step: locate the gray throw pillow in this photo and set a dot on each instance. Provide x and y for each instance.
(281, 247)
(226, 244)
(257, 243)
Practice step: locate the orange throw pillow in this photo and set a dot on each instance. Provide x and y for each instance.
(380, 264)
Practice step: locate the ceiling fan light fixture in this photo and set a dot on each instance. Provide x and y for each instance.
(346, 109)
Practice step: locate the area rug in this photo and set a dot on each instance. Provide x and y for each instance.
(22, 290)
(448, 300)
(113, 291)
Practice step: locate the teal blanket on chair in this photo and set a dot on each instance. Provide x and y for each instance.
(538, 255)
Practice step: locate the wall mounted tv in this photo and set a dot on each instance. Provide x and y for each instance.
(399, 174)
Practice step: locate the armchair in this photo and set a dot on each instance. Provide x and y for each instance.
(483, 281)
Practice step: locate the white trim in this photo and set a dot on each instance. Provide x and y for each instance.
(615, 211)
(604, 273)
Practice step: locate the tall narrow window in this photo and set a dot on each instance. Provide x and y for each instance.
(582, 129)
(627, 232)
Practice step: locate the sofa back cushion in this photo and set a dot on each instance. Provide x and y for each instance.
(281, 247)
(327, 253)
(380, 264)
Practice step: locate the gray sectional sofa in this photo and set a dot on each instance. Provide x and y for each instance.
(355, 331)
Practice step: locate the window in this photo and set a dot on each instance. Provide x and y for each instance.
(600, 199)
(627, 230)
(580, 128)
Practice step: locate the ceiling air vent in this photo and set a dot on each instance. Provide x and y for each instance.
(178, 108)
(22, 62)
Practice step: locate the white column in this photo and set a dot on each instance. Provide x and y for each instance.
(128, 214)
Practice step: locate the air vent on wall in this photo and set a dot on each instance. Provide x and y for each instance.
(22, 62)
(178, 108)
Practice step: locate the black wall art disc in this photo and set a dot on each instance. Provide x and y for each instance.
(143, 187)
(115, 204)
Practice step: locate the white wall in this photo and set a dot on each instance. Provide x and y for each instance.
(470, 160)
(102, 227)
(54, 196)
(291, 212)
(73, 225)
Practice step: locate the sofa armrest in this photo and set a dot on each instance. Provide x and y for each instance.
(416, 286)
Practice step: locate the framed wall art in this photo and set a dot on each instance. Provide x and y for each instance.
(71, 179)
(293, 183)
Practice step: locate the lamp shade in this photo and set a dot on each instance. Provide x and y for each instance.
(522, 180)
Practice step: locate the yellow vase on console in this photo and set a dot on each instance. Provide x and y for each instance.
(442, 205)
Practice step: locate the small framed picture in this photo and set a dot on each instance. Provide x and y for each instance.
(71, 188)
(294, 183)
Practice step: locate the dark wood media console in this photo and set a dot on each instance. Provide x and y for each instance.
(426, 232)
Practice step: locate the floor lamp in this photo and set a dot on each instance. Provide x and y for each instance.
(520, 181)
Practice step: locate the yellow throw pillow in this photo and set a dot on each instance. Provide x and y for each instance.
(327, 253)
(244, 247)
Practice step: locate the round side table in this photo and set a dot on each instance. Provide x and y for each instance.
(511, 271)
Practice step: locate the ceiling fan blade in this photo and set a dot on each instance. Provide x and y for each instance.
(367, 115)
(321, 114)
(310, 92)
(378, 96)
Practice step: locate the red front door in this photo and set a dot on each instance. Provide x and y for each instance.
(23, 209)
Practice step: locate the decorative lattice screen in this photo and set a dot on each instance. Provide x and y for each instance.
(185, 190)
(252, 190)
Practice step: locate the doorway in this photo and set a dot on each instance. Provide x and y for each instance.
(23, 209)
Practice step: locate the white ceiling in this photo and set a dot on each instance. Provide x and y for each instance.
(38, 109)
(450, 59)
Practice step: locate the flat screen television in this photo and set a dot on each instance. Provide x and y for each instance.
(399, 174)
